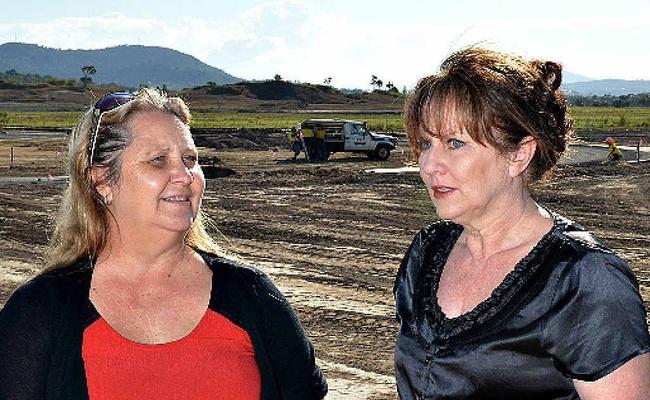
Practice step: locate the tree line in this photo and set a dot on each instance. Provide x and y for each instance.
(13, 77)
(627, 100)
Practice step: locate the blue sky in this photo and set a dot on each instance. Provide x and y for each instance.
(399, 41)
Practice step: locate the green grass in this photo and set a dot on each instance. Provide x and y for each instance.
(381, 122)
(607, 118)
(585, 118)
(42, 119)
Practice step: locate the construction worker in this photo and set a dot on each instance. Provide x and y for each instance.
(319, 134)
(308, 137)
(615, 153)
(294, 142)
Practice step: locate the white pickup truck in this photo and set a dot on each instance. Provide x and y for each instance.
(351, 136)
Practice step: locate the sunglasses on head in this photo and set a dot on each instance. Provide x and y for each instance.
(107, 103)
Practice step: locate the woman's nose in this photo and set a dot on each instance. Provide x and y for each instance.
(180, 173)
(433, 161)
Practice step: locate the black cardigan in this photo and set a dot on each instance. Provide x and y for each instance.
(42, 325)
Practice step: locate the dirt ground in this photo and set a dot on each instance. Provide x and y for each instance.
(330, 235)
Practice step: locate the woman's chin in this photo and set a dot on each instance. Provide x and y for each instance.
(445, 212)
(181, 225)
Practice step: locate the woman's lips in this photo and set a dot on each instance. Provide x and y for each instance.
(177, 199)
(440, 192)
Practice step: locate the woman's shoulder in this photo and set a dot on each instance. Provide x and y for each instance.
(578, 237)
(44, 301)
(588, 271)
(223, 264)
(230, 270)
(51, 286)
(595, 299)
(587, 254)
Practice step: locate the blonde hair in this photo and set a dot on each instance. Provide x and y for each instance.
(81, 226)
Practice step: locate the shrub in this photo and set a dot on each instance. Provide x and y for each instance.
(4, 118)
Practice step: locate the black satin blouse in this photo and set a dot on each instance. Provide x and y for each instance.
(570, 309)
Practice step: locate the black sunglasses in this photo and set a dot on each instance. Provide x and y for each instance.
(107, 103)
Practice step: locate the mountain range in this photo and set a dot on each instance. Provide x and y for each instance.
(602, 87)
(129, 66)
(133, 66)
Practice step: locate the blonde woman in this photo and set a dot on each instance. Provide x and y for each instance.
(139, 302)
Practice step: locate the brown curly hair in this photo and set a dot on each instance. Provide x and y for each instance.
(496, 98)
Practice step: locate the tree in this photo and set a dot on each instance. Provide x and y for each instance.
(373, 80)
(390, 86)
(328, 80)
(4, 118)
(277, 78)
(87, 70)
(376, 82)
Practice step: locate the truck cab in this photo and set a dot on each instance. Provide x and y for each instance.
(352, 136)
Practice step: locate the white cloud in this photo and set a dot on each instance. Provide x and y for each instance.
(299, 41)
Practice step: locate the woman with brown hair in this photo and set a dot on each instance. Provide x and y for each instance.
(139, 302)
(503, 298)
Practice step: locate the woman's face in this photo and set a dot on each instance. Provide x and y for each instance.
(161, 183)
(466, 181)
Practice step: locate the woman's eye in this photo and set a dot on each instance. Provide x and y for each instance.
(424, 145)
(158, 159)
(190, 161)
(455, 143)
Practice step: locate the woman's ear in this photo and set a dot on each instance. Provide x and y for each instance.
(98, 175)
(522, 156)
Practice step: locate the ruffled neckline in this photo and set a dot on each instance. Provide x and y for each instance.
(445, 327)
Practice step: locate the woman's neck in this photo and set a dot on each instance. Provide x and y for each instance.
(510, 227)
(152, 258)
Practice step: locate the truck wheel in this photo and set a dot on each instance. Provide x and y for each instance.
(382, 153)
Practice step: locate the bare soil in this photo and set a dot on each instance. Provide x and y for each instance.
(330, 235)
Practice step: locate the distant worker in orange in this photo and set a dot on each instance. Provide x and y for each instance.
(615, 153)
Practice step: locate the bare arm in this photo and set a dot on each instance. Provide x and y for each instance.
(629, 382)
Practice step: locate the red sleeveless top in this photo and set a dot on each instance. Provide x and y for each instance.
(214, 361)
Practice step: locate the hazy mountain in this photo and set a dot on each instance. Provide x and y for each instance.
(129, 66)
(569, 77)
(614, 87)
